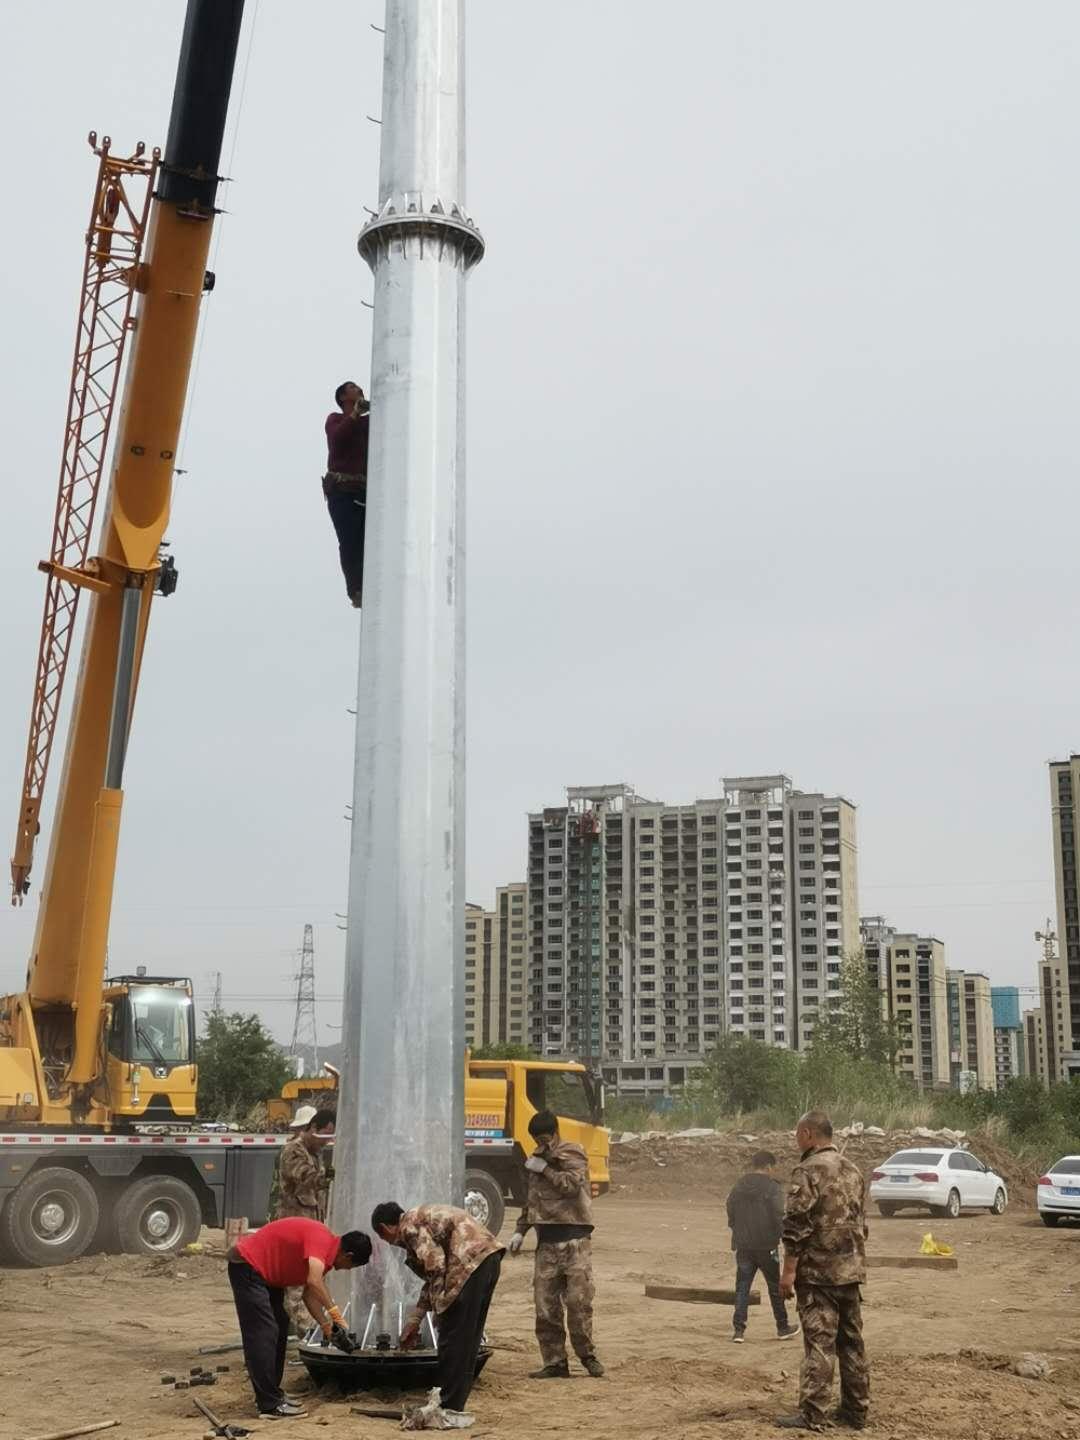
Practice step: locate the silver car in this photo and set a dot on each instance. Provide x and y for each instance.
(939, 1180)
(1058, 1191)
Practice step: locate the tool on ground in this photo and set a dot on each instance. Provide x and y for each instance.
(229, 1432)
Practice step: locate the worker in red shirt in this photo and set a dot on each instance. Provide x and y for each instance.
(345, 481)
(262, 1264)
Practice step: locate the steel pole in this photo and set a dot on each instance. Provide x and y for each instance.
(401, 1120)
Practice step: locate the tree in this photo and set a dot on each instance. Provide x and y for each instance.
(240, 1065)
(743, 1074)
(504, 1052)
(856, 1025)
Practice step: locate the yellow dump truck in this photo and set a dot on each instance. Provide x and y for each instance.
(501, 1097)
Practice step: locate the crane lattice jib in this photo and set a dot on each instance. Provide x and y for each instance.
(110, 281)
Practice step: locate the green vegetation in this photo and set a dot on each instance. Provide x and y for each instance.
(240, 1064)
(505, 1052)
(850, 1072)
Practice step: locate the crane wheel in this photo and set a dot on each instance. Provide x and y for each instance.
(51, 1218)
(483, 1200)
(157, 1215)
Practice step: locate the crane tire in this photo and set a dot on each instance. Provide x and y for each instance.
(51, 1218)
(157, 1215)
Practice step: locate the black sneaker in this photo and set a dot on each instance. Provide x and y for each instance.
(739, 1338)
(283, 1410)
(788, 1332)
(559, 1371)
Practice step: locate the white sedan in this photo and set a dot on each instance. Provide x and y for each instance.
(1058, 1191)
(942, 1181)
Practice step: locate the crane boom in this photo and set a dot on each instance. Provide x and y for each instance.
(114, 241)
(81, 1040)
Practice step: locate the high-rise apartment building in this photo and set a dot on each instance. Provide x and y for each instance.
(1061, 990)
(1034, 1044)
(654, 928)
(495, 966)
(971, 1031)
(1009, 1048)
(910, 972)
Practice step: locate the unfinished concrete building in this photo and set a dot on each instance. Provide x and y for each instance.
(911, 974)
(495, 965)
(654, 928)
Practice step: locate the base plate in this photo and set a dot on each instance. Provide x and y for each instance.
(376, 1369)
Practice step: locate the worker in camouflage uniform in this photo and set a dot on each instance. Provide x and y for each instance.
(458, 1261)
(824, 1237)
(560, 1207)
(303, 1184)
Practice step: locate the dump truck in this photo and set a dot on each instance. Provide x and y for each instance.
(501, 1097)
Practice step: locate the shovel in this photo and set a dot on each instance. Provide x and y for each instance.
(229, 1432)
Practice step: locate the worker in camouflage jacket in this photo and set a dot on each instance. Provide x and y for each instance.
(303, 1180)
(559, 1205)
(824, 1236)
(303, 1185)
(458, 1261)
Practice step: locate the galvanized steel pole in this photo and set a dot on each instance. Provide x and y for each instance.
(401, 1121)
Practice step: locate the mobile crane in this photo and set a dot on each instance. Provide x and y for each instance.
(83, 1058)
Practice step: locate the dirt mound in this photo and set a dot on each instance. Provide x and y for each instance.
(658, 1166)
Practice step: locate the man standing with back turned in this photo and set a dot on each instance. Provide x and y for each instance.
(824, 1264)
(755, 1212)
(345, 482)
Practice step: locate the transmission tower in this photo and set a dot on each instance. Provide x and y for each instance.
(215, 1004)
(304, 1032)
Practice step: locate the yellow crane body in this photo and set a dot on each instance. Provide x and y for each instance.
(73, 1048)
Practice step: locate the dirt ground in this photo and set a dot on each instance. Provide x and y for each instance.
(90, 1341)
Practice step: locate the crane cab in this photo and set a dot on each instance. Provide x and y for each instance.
(150, 1047)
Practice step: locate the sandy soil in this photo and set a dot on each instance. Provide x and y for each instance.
(90, 1341)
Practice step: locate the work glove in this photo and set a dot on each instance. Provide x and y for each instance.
(537, 1164)
(328, 1172)
(516, 1242)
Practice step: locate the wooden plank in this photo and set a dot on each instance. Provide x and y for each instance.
(913, 1262)
(697, 1295)
(79, 1430)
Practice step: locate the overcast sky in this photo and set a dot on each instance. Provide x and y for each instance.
(772, 452)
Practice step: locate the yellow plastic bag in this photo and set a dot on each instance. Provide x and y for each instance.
(930, 1246)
